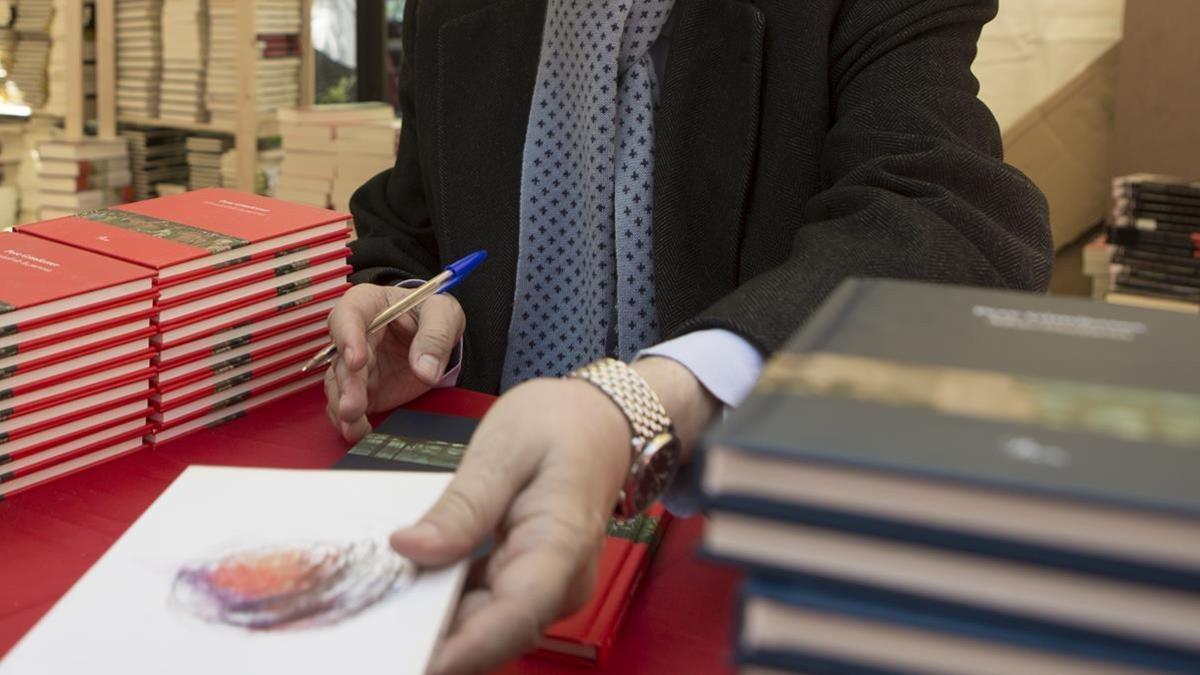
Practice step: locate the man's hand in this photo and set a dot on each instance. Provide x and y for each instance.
(542, 472)
(393, 366)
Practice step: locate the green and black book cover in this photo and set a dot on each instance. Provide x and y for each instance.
(1078, 402)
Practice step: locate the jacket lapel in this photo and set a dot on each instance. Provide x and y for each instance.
(707, 135)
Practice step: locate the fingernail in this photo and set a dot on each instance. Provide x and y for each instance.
(428, 365)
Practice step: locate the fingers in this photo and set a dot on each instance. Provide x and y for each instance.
(440, 326)
(467, 511)
(491, 473)
(353, 428)
(525, 595)
(349, 319)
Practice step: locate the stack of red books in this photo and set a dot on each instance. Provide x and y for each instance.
(245, 284)
(75, 359)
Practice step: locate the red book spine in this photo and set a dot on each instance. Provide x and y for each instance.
(595, 626)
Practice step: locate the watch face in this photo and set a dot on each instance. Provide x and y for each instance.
(652, 473)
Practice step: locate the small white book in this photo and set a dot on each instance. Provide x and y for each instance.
(253, 571)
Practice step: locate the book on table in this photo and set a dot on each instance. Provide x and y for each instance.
(75, 356)
(1011, 453)
(415, 441)
(228, 266)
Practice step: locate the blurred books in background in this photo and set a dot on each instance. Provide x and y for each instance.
(1151, 254)
(330, 151)
(73, 176)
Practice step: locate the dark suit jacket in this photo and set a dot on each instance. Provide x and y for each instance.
(799, 142)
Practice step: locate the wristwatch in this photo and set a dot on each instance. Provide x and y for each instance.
(655, 447)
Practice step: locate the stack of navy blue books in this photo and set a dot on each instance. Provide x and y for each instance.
(933, 479)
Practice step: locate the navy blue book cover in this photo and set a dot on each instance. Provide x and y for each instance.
(1057, 396)
(887, 607)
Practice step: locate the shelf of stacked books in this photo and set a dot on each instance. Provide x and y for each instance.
(1154, 244)
(330, 150)
(215, 67)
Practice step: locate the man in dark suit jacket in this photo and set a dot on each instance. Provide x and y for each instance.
(797, 142)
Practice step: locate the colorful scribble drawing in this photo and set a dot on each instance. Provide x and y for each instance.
(295, 585)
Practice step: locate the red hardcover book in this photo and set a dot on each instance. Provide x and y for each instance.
(43, 282)
(230, 302)
(64, 349)
(262, 280)
(250, 316)
(277, 264)
(89, 410)
(72, 389)
(270, 329)
(281, 248)
(234, 381)
(19, 386)
(182, 234)
(226, 395)
(68, 451)
(126, 389)
(587, 635)
(232, 363)
(224, 416)
(71, 466)
(70, 432)
(18, 410)
(100, 320)
(59, 365)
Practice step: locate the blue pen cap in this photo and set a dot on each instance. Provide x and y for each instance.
(462, 267)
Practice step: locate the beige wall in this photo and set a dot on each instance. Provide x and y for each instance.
(1036, 46)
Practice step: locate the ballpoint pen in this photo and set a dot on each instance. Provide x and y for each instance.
(454, 273)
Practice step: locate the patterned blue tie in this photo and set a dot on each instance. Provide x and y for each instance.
(585, 284)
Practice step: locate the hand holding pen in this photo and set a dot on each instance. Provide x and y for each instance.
(376, 369)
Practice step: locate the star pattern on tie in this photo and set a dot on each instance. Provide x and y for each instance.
(585, 285)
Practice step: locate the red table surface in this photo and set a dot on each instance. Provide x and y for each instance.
(680, 619)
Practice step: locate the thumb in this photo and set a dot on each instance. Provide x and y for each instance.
(466, 513)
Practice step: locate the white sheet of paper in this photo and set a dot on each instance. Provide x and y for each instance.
(118, 618)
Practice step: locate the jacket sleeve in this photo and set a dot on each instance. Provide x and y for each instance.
(391, 213)
(914, 181)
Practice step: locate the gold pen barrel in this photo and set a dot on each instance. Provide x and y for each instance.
(398, 309)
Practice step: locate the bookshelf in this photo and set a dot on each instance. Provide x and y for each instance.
(249, 125)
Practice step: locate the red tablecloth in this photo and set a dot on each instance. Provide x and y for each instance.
(49, 536)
